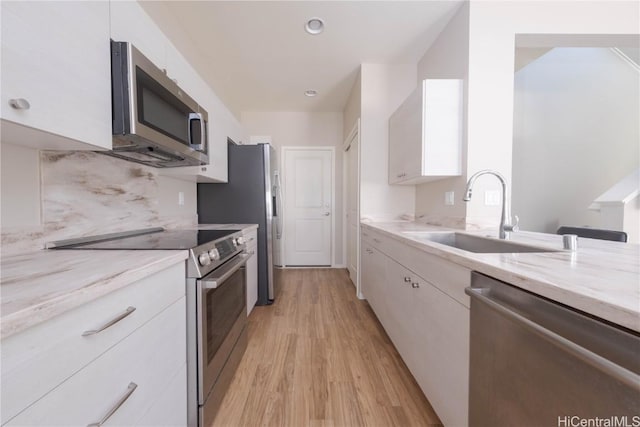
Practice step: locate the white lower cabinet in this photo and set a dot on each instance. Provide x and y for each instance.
(146, 360)
(251, 239)
(426, 322)
(373, 279)
(53, 374)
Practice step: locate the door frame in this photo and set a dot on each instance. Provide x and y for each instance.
(354, 133)
(283, 172)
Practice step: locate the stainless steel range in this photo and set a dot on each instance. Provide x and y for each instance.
(216, 305)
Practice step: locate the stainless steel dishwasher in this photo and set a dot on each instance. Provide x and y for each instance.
(535, 362)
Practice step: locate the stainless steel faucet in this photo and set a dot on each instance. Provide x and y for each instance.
(505, 219)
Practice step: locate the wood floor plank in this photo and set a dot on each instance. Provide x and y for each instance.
(319, 357)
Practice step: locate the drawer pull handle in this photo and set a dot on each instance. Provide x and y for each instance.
(130, 389)
(415, 285)
(110, 323)
(407, 279)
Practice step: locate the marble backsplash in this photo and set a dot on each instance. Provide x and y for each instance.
(86, 193)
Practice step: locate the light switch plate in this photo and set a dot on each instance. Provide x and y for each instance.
(492, 198)
(180, 198)
(449, 198)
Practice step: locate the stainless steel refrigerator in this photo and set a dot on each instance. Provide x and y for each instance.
(252, 195)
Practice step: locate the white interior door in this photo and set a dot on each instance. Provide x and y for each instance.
(352, 205)
(308, 198)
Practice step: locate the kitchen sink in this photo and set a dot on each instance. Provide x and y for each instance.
(476, 244)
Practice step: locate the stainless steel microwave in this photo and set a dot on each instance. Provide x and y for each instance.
(154, 122)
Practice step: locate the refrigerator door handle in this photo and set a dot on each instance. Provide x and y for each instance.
(278, 206)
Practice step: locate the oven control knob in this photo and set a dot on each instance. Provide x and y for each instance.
(240, 240)
(214, 254)
(204, 259)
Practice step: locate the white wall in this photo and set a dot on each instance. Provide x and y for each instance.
(492, 39)
(492, 31)
(352, 112)
(447, 58)
(303, 129)
(632, 220)
(20, 182)
(384, 88)
(576, 134)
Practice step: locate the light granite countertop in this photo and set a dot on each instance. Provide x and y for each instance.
(39, 285)
(601, 278)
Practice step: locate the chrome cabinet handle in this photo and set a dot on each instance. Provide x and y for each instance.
(415, 285)
(130, 389)
(326, 213)
(19, 104)
(407, 279)
(111, 322)
(369, 251)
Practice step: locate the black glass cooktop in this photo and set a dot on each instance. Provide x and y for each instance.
(161, 240)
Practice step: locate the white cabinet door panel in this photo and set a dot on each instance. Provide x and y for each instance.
(251, 240)
(425, 133)
(56, 55)
(439, 356)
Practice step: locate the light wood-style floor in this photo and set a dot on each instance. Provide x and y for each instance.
(319, 357)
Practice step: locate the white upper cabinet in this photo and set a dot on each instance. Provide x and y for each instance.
(56, 73)
(425, 133)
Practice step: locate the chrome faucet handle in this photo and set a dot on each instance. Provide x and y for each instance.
(513, 227)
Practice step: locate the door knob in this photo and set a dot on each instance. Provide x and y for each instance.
(326, 213)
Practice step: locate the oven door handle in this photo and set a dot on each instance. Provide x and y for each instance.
(216, 279)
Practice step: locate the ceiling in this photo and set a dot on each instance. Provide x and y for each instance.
(257, 56)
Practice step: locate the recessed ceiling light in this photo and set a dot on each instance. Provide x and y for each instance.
(310, 93)
(314, 26)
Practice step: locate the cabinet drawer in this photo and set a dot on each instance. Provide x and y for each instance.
(150, 358)
(447, 276)
(375, 239)
(38, 359)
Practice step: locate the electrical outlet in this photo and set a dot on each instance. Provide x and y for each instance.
(180, 198)
(449, 198)
(492, 198)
